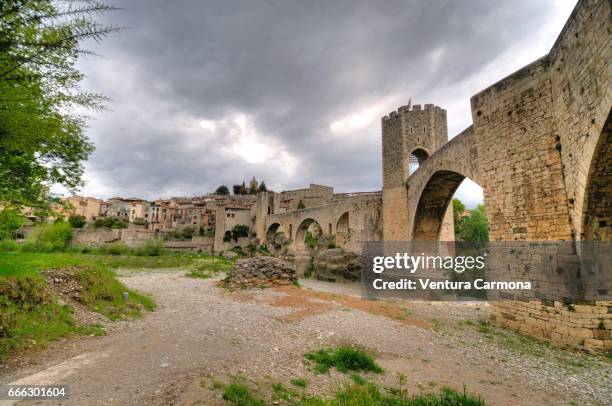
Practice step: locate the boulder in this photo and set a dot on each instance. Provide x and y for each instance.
(260, 271)
(337, 265)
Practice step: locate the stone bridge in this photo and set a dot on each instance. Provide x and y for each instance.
(351, 219)
(539, 147)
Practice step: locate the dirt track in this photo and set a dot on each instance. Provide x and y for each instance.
(201, 333)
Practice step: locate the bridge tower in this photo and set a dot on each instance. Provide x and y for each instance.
(409, 136)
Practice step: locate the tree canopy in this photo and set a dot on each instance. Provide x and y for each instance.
(473, 227)
(222, 190)
(42, 139)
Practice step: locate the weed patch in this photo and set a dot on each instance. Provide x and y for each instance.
(344, 359)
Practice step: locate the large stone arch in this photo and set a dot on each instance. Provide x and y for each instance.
(597, 207)
(342, 229)
(272, 233)
(433, 204)
(300, 233)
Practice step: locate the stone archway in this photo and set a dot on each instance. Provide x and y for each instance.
(342, 230)
(307, 225)
(416, 158)
(597, 212)
(433, 205)
(272, 236)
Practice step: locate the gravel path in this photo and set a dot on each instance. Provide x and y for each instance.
(200, 333)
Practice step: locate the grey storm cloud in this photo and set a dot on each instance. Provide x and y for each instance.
(213, 92)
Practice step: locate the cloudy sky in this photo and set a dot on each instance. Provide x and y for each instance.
(214, 92)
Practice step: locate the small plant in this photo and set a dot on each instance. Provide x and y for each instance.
(239, 394)
(299, 382)
(152, 248)
(115, 248)
(296, 283)
(77, 221)
(344, 359)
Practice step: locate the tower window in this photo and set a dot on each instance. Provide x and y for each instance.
(415, 159)
(424, 129)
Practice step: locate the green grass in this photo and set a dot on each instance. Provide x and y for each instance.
(29, 317)
(299, 382)
(344, 359)
(240, 394)
(359, 392)
(209, 266)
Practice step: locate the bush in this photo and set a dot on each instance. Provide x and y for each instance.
(49, 237)
(77, 221)
(139, 221)
(152, 248)
(10, 221)
(115, 248)
(239, 230)
(8, 246)
(104, 222)
(187, 232)
(119, 223)
(227, 237)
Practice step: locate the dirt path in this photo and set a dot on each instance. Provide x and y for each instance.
(200, 333)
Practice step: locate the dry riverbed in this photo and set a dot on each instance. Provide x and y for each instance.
(201, 335)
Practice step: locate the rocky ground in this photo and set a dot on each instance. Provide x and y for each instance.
(201, 334)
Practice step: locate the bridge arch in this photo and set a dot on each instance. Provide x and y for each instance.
(271, 233)
(597, 207)
(433, 203)
(308, 224)
(342, 229)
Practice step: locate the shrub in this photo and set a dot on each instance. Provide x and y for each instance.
(139, 221)
(115, 248)
(8, 245)
(239, 230)
(77, 221)
(10, 221)
(119, 223)
(187, 232)
(104, 222)
(49, 237)
(152, 248)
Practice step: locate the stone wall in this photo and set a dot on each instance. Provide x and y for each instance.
(586, 326)
(94, 237)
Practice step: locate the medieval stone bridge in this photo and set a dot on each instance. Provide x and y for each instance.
(351, 219)
(540, 147)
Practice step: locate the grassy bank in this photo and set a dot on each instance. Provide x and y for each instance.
(31, 316)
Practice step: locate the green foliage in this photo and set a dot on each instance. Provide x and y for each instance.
(240, 189)
(119, 224)
(458, 209)
(310, 240)
(29, 318)
(139, 221)
(222, 190)
(152, 248)
(41, 103)
(299, 382)
(240, 394)
(239, 230)
(8, 246)
(475, 227)
(227, 237)
(301, 205)
(187, 233)
(344, 359)
(48, 237)
(77, 221)
(114, 248)
(262, 187)
(10, 221)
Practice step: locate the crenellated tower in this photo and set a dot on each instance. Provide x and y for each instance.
(409, 136)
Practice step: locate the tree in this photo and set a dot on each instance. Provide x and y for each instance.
(475, 227)
(301, 205)
(240, 230)
(42, 138)
(458, 209)
(236, 189)
(77, 221)
(222, 190)
(10, 221)
(263, 187)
